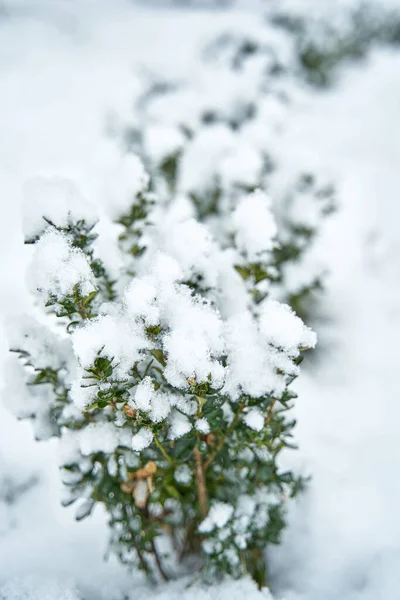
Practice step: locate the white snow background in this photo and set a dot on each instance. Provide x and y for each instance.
(66, 70)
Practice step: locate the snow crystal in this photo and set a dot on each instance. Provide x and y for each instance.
(281, 327)
(142, 439)
(184, 404)
(179, 425)
(102, 437)
(157, 404)
(57, 267)
(140, 300)
(143, 394)
(195, 341)
(249, 365)
(160, 407)
(219, 515)
(254, 225)
(254, 419)
(119, 340)
(202, 425)
(283, 361)
(81, 395)
(56, 199)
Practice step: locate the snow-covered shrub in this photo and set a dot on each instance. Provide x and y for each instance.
(215, 135)
(327, 35)
(163, 364)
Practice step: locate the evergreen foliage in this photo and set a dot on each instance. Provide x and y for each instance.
(327, 38)
(170, 385)
(211, 137)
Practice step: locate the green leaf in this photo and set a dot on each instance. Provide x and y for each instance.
(244, 272)
(201, 400)
(172, 491)
(159, 355)
(87, 300)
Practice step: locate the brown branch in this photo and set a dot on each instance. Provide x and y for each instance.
(270, 411)
(143, 562)
(158, 561)
(200, 483)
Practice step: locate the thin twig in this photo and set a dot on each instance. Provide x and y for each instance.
(200, 482)
(270, 411)
(163, 451)
(143, 562)
(158, 561)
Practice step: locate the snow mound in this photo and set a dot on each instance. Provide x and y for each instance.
(38, 588)
(227, 590)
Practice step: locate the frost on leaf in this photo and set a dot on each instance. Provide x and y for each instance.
(142, 439)
(58, 267)
(56, 201)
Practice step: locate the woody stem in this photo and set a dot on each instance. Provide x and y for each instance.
(200, 482)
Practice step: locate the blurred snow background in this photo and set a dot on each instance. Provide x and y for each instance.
(68, 71)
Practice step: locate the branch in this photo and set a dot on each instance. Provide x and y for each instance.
(158, 561)
(163, 451)
(270, 411)
(220, 444)
(143, 562)
(201, 483)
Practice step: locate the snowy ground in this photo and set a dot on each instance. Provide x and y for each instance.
(60, 79)
(345, 538)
